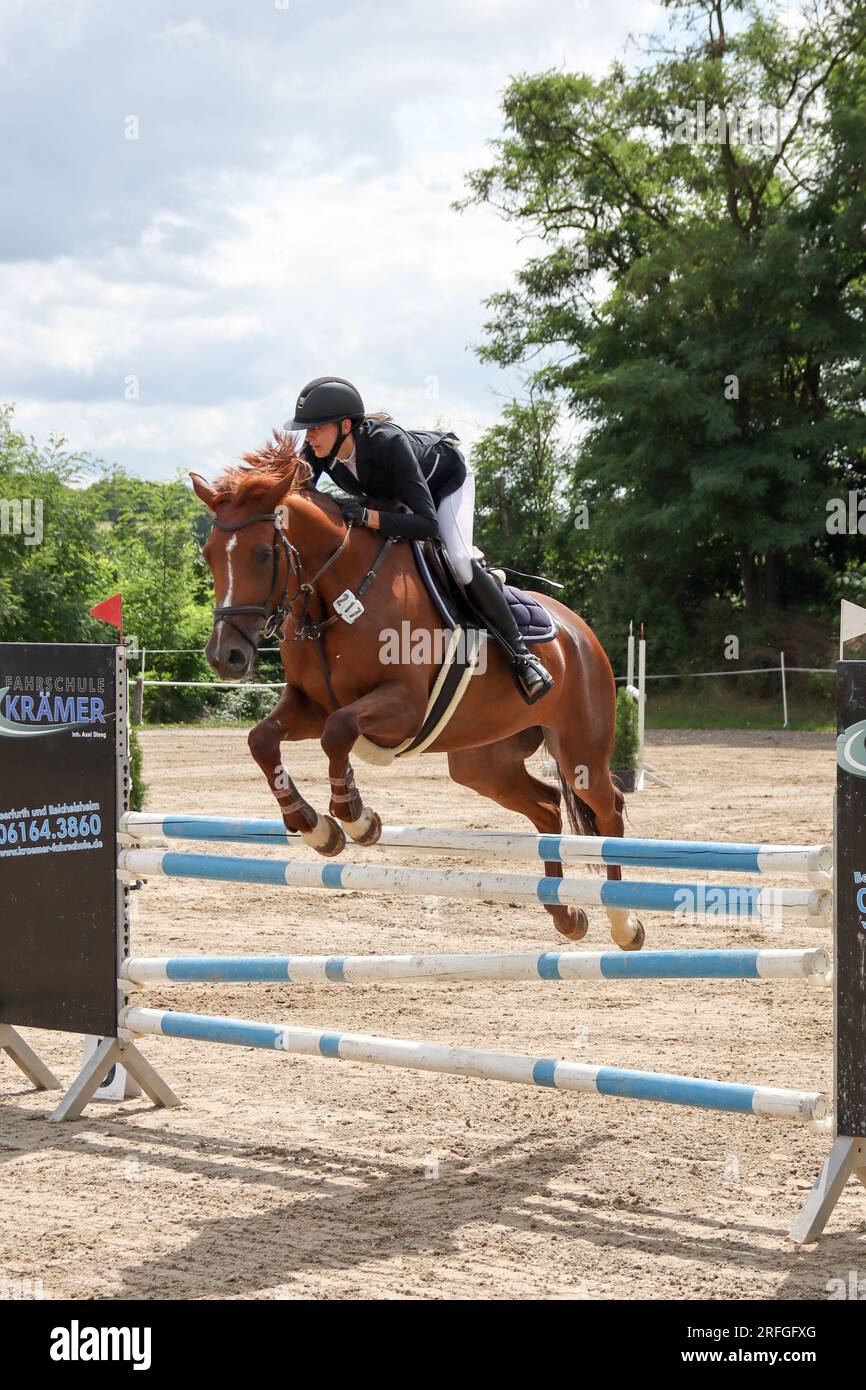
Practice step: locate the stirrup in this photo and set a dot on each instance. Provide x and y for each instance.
(531, 693)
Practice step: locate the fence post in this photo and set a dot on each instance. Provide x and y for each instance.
(641, 708)
(138, 693)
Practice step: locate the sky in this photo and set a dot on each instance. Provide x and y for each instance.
(205, 206)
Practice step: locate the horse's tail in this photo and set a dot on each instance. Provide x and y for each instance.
(581, 818)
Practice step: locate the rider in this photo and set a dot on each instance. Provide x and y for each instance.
(371, 456)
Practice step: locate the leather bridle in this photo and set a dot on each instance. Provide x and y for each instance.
(275, 618)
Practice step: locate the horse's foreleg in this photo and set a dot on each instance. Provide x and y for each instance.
(385, 714)
(294, 717)
(360, 822)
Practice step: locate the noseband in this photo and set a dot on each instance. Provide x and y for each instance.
(273, 619)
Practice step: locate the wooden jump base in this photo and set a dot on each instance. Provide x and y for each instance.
(32, 1065)
(805, 1106)
(565, 849)
(811, 965)
(682, 899)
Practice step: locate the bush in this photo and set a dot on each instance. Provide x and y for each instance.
(137, 785)
(625, 746)
(247, 706)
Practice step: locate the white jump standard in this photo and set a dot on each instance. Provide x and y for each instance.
(681, 899)
(28, 1061)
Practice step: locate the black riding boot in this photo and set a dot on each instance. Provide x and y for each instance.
(531, 678)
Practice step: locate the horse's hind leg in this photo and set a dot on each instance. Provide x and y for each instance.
(498, 771)
(608, 804)
(595, 807)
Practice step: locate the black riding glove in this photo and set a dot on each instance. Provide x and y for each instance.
(354, 511)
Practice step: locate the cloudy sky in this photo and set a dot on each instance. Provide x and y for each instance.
(205, 205)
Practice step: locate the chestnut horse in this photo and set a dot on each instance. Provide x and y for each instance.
(280, 555)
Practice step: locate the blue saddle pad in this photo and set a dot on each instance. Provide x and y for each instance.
(532, 618)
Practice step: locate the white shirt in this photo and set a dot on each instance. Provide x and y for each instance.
(351, 464)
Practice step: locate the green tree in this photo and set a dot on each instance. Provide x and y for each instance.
(50, 577)
(527, 520)
(156, 560)
(701, 298)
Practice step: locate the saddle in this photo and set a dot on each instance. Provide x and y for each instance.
(464, 647)
(446, 591)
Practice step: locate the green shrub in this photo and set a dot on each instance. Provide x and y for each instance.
(137, 786)
(625, 746)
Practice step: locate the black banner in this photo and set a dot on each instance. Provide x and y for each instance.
(58, 823)
(851, 900)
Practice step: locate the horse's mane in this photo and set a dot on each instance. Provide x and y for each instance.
(274, 462)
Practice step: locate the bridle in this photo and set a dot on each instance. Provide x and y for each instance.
(277, 617)
(273, 619)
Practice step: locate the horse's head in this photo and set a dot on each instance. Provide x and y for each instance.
(249, 553)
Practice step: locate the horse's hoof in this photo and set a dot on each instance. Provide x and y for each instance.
(326, 837)
(575, 926)
(637, 940)
(367, 829)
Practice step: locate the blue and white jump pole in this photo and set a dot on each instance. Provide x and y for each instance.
(690, 900)
(566, 849)
(805, 1106)
(810, 965)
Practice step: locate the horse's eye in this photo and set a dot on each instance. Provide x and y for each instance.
(262, 554)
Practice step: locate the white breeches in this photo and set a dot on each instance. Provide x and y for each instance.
(456, 515)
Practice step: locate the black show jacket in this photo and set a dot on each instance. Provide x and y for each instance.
(415, 467)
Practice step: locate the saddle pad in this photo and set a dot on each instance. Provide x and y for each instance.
(532, 618)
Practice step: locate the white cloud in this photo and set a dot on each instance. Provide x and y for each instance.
(285, 211)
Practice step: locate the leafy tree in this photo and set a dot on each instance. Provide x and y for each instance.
(158, 567)
(52, 562)
(103, 531)
(527, 520)
(700, 300)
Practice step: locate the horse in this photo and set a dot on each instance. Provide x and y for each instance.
(281, 555)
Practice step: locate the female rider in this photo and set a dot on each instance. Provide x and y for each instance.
(369, 456)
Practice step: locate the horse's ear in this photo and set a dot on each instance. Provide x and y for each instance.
(303, 475)
(203, 489)
(270, 500)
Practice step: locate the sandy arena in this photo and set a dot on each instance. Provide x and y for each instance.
(282, 1177)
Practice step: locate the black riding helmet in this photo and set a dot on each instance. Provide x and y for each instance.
(325, 401)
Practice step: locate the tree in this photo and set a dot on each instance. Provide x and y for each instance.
(528, 520)
(157, 564)
(52, 559)
(701, 301)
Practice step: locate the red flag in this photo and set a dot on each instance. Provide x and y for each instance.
(110, 611)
